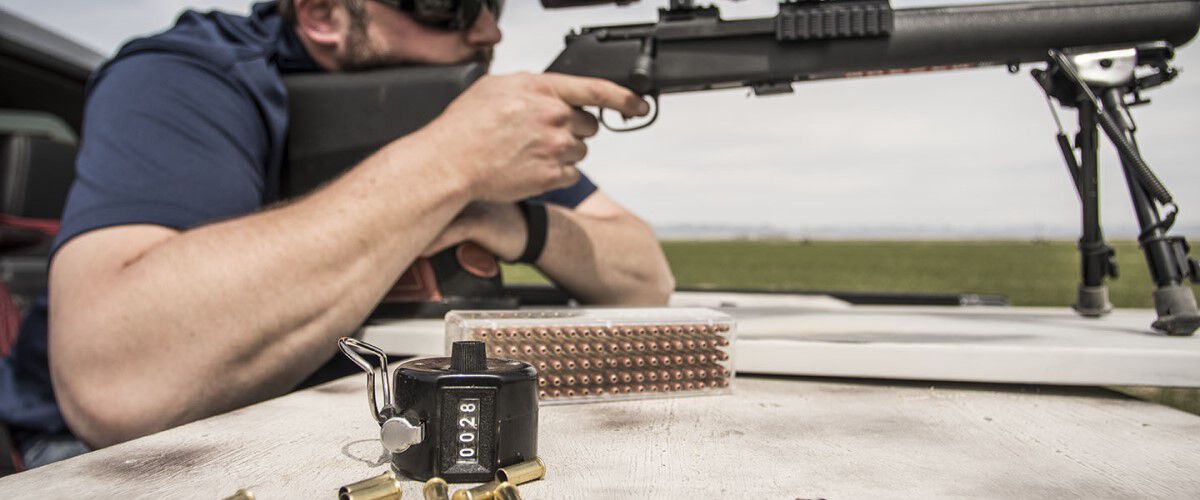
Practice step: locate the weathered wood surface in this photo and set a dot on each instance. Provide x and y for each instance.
(773, 438)
(821, 336)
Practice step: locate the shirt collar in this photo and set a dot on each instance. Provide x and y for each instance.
(290, 55)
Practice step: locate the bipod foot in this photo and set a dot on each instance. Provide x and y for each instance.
(1092, 301)
(1177, 312)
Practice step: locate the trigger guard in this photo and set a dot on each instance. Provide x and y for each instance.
(653, 100)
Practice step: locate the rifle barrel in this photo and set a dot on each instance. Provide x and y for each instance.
(931, 38)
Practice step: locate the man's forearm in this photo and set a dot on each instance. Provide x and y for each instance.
(599, 251)
(613, 260)
(251, 305)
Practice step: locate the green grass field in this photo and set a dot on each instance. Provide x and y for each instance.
(1030, 273)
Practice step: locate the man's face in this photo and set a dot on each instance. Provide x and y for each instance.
(385, 36)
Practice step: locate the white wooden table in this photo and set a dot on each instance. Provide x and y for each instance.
(822, 336)
(773, 438)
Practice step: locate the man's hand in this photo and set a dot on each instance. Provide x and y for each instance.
(599, 251)
(497, 227)
(518, 136)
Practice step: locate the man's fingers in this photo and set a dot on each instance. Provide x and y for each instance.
(575, 152)
(582, 124)
(584, 91)
(437, 245)
(570, 176)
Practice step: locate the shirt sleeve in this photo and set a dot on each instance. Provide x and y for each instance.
(169, 141)
(572, 195)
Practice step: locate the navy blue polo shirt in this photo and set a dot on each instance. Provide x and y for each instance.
(180, 129)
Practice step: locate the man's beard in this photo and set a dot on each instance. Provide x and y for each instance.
(361, 55)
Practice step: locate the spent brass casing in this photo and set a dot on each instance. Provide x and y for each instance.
(485, 491)
(381, 487)
(524, 472)
(242, 494)
(506, 491)
(381, 491)
(436, 489)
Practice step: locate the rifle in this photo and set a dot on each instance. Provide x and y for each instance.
(1100, 56)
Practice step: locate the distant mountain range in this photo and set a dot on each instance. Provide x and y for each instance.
(915, 232)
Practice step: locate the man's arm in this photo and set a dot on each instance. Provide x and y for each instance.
(152, 327)
(602, 253)
(599, 252)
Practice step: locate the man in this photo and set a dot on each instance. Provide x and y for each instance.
(175, 296)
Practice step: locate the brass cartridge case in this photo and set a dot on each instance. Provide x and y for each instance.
(506, 491)
(381, 487)
(376, 492)
(436, 489)
(485, 491)
(524, 472)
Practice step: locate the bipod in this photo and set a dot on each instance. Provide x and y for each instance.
(1076, 78)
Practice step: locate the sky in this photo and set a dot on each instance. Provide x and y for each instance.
(945, 155)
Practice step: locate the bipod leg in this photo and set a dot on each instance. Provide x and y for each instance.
(1167, 256)
(1096, 257)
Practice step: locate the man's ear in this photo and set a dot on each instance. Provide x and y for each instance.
(322, 22)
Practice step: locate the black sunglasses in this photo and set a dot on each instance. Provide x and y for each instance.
(457, 15)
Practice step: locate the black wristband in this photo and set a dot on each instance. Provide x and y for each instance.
(536, 222)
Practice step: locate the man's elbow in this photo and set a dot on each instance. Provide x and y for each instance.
(96, 413)
(652, 290)
(100, 406)
(656, 290)
(658, 282)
